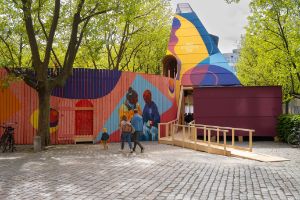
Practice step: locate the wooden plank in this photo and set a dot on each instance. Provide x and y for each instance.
(250, 140)
(179, 103)
(84, 138)
(256, 156)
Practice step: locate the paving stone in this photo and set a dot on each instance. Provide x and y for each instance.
(162, 172)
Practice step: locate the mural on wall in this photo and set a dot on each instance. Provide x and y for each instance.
(151, 117)
(199, 61)
(90, 100)
(131, 103)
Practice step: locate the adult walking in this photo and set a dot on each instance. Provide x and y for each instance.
(126, 131)
(137, 123)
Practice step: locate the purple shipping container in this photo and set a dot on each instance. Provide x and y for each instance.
(239, 107)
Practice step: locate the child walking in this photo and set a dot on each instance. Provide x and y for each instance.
(104, 138)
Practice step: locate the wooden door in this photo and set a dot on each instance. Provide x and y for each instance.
(84, 118)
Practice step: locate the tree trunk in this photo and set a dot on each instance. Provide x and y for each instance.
(44, 117)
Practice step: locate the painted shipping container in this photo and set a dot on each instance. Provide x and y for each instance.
(89, 101)
(241, 107)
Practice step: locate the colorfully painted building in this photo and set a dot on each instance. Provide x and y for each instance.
(193, 53)
(95, 99)
(210, 91)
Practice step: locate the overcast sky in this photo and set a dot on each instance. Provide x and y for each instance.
(227, 21)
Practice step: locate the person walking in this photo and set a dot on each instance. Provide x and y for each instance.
(137, 123)
(126, 131)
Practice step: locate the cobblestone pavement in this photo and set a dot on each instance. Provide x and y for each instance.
(162, 172)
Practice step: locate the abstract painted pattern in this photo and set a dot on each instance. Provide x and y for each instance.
(90, 101)
(199, 61)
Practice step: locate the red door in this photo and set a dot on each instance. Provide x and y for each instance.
(84, 118)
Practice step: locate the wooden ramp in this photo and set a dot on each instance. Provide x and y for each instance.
(186, 137)
(214, 137)
(256, 156)
(219, 150)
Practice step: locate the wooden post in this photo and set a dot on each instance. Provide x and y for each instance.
(183, 135)
(224, 135)
(159, 132)
(172, 133)
(250, 141)
(195, 137)
(190, 132)
(232, 137)
(167, 129)
(218, 135)
(204, 134)
(179, 108)
(208, 137)
(240, 139)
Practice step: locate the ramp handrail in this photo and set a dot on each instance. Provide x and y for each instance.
(172, 127)
(250, 131)
(168, 127)
(193, 135)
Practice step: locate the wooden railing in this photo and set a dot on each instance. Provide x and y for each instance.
(168, 128)
(218, 129)
(190, 131)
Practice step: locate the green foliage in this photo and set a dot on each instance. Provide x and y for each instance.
(133, 39)
(286, 124)
(270, 53)
(133, 36)
(14, 42)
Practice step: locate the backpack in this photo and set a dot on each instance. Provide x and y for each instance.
(126, 128)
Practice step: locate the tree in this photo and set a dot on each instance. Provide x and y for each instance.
(134, 40)
(33, 32)
(270, 53)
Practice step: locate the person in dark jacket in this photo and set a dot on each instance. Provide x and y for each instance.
(137, 123)
(104, 138)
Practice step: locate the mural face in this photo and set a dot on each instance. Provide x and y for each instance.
(199, 61)
(131, 103)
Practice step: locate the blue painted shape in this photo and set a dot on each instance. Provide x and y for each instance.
(205, 61)
(176, 23)
(139, 85)
(88, 84)
(218, 76)
(219, 60)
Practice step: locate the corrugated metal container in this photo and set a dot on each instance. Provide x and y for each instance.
(96, 94)
(241, 107)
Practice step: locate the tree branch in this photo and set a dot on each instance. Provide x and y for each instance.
(52, 33)
(31, 34)
(9, 50)
(94, 14)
